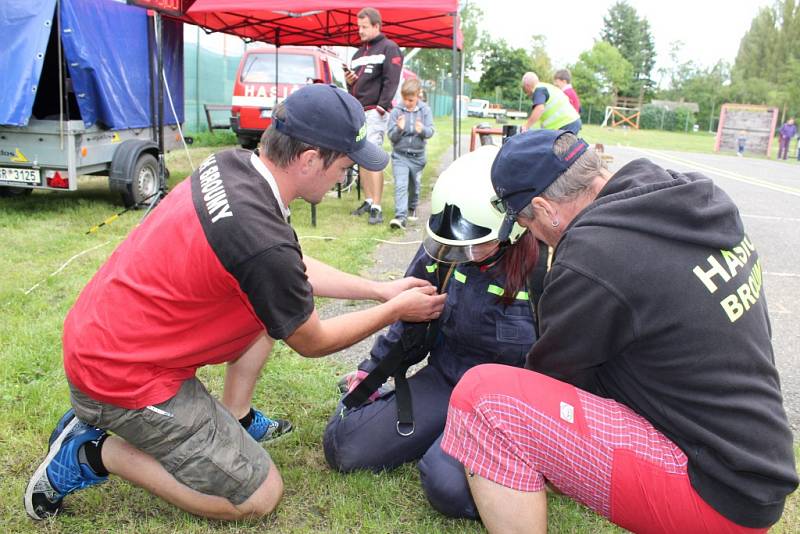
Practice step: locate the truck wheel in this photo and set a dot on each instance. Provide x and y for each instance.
(144, 181)
(15, 191)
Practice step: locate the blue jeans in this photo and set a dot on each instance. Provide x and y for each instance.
(574, 126)
(407, 170)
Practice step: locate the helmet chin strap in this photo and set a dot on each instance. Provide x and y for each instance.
(494, 257)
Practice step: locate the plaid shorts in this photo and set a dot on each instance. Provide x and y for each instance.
(519, 429)
(192, 435)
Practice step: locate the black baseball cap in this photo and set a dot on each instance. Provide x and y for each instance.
(328, 117)
(525, 166)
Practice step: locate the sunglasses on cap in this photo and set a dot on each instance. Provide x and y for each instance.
(501, 205)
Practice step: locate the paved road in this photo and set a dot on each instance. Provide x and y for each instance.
(768, 195)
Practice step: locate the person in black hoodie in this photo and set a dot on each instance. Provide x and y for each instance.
(373, 78)
(652, 394)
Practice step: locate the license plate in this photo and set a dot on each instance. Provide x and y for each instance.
(20, 176)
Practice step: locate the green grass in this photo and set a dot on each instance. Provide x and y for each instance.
(41, 232)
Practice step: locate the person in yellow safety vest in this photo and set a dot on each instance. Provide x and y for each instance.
(550, 106)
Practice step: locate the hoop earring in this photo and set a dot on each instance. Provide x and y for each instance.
(554, 224)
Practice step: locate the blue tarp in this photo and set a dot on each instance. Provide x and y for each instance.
(105, 47)
(24, 31)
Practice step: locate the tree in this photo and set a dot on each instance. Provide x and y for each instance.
(768, 62)
(540, 60)
(709, 88)
(503, 68)
(757, 56)
(600, 74)
(630, 34)
(433, 64)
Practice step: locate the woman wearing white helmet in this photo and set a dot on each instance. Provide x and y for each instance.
(488, 317)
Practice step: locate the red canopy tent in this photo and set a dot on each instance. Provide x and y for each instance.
(410, 23)
(413, 23)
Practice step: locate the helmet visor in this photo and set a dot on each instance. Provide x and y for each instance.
(459, 254)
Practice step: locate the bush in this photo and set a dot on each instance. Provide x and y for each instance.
(650, 119)
(684, 117)
(659, 118)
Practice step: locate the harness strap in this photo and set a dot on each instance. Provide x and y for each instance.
(414, 345)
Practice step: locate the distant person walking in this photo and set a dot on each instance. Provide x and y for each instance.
(785, 134)
(741, 142)
(550, 107)
(373, 80)
(563, 80)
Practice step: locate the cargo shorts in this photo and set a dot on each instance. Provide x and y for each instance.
(377, 125)
(192, 435)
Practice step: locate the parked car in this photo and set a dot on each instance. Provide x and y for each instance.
(478, 108)
(259, 86)
(75, 97)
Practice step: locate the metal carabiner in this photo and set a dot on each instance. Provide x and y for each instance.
(401, 433)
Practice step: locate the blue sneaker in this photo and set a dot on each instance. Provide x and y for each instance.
(63, 470)
(268, 430)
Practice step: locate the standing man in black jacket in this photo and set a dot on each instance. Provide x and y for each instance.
(373, 78)
(651, 395)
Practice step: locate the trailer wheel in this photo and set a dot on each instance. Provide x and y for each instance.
(247, 142)
(15, 191)
(144, 181)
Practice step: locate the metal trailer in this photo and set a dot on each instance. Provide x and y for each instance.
(42, 155)
(81, 95)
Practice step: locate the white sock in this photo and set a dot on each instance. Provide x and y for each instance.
(368, 201)
(377, 206)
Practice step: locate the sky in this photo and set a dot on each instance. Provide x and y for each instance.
(571, 26)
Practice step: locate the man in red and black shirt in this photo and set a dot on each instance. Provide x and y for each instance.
(373, 80)
(214, 275)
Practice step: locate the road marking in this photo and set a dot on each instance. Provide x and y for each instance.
(771, 218)
(720, 172)
(785, 275)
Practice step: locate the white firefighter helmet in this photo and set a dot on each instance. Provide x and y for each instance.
(463, 225)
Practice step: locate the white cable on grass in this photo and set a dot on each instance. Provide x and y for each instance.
(177, 122)
(64, 265)
(324, 238)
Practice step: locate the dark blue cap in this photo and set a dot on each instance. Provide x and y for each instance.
(328, 117)
(525, 166)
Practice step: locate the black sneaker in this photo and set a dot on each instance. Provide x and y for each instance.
(398, 223)
(362, 209)
(375, 216)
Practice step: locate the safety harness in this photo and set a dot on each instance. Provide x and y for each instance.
(415, 343)
(417, 340)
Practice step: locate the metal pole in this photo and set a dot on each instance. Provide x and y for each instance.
(711, 116)
(151, 65)
(61, 95)
(197, 81)
(160, 46)
(455, 99)
(277, 46)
